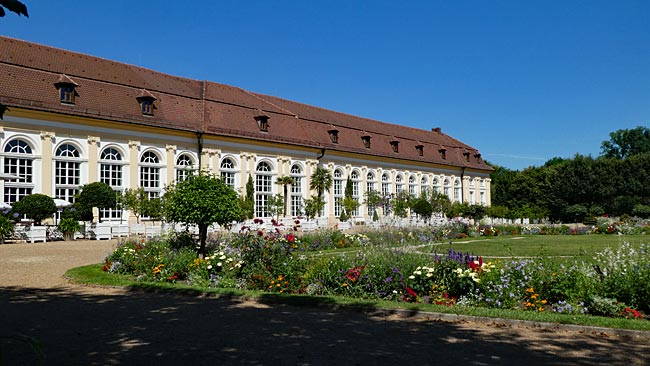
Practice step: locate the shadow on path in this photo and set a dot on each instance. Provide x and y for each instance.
(138, 328)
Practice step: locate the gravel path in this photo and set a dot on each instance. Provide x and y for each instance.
(80, 325)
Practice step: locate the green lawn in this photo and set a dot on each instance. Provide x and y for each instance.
(577, 246)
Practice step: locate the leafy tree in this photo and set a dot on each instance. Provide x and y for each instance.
(313, 206)
(248, 201)
(98, 194)
(13, 6)
(321, 181)
(373, 200)
(440, 203)
(625, 143)
(202, 200)
(498, 211)
(285, 181)
(422, 207)
(153, 208)
(401, 204)
(275, 205)
(350, 204)
(135, 200)
(36, 207)
(642, 211)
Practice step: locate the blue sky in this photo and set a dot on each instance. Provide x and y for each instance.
(522, 81)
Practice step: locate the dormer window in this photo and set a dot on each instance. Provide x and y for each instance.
(66, 87)
(146, 101)
(395, 145)
(478, 157)
(420, 149)
(443, 153)
(366, 141)
(262, 121)
(466, 155)
(334, 135)
(147, 107)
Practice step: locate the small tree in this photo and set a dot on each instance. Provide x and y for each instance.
(248, 201)
(36, 207)
(313, 206)
(202, 200)
(153, 208)
(422, 207)
(134, 200)
(98, 194)
(321, 181)
(373, 200)
(274, 205)
(350, 204)
(285, 181)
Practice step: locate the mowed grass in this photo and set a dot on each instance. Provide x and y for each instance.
(574, 246)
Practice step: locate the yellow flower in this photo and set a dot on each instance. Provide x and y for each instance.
(345, 285)
(530, 290)
(277, 285)
(544, 302)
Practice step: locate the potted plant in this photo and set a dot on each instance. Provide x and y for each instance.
(68, 227)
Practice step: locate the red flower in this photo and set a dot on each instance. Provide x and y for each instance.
(290, 238)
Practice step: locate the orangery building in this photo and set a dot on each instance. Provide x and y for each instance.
(74, 119)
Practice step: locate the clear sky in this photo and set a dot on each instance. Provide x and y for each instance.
(522, 81)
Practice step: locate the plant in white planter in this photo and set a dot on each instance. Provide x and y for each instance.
(68, 227)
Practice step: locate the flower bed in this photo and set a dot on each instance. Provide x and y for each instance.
(613, 284)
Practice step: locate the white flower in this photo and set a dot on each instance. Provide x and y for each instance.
(219, 264)
(222, 257)
(210, 267)
(412, 277)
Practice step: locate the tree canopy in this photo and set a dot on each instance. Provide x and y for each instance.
(202, 200)
(625, 143)
(13, 6)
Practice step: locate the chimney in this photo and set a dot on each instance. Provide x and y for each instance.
(437, 129)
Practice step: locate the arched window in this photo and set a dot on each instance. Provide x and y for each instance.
(150, 174)
(457, 191)
(110, 172)
(371, 184)
(18, 161)
(355, 177)
(67, 172)
(413, 185)
(385, 184)
(263, 189)
(338, 192)
(228, 172)
(297, 189)
(399, 183)
(446, 186)
(436, 185)
(184, 164)
(424, 184)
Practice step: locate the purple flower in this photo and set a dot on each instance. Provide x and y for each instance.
(388, 280)
(16, 215)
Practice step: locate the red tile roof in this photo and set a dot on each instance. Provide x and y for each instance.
(109, 90)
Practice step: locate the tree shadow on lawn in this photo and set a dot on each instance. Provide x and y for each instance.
(137, 327)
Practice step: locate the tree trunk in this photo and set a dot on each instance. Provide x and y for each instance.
(203, 234)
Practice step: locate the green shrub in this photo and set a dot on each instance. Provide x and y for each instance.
(36, 207)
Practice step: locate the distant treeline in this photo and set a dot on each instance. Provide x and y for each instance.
(615, 183)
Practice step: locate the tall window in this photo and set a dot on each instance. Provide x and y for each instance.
(457, 193)
(110, 172)
(228, 171)
(385, 184)
(424, 184)
(184, 165)
(67, 172)
(399, 183)
(413, 185)
(371, 182)
(338, 192)
(446, 188)
(296, 190)
(263, 189)
(150, 174)
(436, 185)
(355, 177)
(18, 161)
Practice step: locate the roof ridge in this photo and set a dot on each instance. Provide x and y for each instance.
(258, 96)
